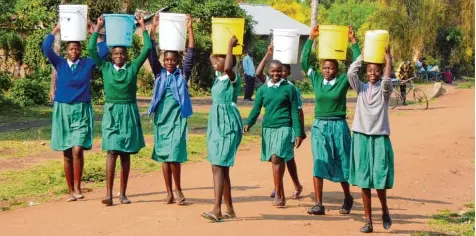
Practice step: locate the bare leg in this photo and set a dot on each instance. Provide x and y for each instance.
(348, 199)
(279, 167)
(78, 165)
(382, 196)
(125, 169)
(110, 171)
(176, 172)
(367, 200)
(68, 173)
(292, 169)
(167, 171)
(230, 211)
(218, 182)
(318, 186)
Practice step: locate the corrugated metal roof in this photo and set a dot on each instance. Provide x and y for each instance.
(268, 18)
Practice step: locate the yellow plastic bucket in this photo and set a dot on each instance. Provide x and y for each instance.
(222, 31)
(374, 46)
(333, 40)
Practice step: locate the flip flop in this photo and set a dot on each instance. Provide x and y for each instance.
(181, 199)
(124, 200)
(210, 216)
(79, 196)
(107, 201)
(273, 194)
(227, 215)
(71, 199)
(297, 193)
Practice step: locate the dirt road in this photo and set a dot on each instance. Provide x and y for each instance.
(434, 162)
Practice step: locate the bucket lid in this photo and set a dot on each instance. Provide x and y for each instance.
(73, 7)
(285, 32)
(227, 20)
(333, 27)
(119, 15)
(172, 16)
(382, 32)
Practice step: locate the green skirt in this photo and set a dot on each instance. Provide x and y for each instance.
(224, 133)
(121, 128)
(170, 131)
(277, 141)
(72, 125)
(330, 144)
(371, 161)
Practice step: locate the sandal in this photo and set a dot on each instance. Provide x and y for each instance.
(78, 196)
(227, 215)
(181, 198)
(124, 200)
(71, 199)
(347, 206)
(297, 193)
(210, 216)
(107, 201)
(317, 210)
(368, 228)
(273, 194)
(387, 221)
(279, 203)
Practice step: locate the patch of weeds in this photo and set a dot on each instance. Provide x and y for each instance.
(16, 149)
(461, 223)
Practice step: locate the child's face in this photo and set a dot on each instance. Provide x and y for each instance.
(119, 56)
(218, 63)
(275, 71)
(170, 61)
(286, 72)
(374, 72)
(329, 70)
(73, 50)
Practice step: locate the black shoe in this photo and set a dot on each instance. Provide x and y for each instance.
(250, 99)
(347, 206)
(368, 228)
(387, 222)
(317, 210)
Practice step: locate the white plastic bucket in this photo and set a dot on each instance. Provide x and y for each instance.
(172, 31)
(286, 45)
(73, 20)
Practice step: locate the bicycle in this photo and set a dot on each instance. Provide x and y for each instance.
(419, 97)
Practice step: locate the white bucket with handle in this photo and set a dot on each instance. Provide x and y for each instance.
(172, 31)
(286, 45)
(73, 20)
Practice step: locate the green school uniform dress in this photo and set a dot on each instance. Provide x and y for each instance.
(371, 155)
(280, 119)
(72, 125)
(225, 126)
(121, 126)
(170, 130)
(330, 134)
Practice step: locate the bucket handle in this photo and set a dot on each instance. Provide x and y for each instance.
(82, 15)
(229, 31)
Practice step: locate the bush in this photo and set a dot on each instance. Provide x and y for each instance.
(28, 91)
(5, 82)
(304, 85)
(145, 82)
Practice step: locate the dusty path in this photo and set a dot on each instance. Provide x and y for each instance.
(434, 155)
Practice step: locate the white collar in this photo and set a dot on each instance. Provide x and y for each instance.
(71, 63)
(276, 85)
(332, 81)
(119, 68)
(223, 77)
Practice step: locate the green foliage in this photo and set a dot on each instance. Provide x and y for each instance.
(352, 12)
(455, 223)
(145, 82)
(29, 91)
(304, 86)
(34, 57)
(5, 82)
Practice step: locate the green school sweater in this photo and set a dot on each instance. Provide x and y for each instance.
(330, 99)
(120, 86)
(280, 104)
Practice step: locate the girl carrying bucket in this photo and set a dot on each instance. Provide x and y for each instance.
(121, 127)
(371, 156)
(291, 164)
(73, 118)
(171, 106)
(224, 130)
(330, 134)
(282, 130)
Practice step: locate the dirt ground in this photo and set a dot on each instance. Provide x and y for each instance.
(434, 165)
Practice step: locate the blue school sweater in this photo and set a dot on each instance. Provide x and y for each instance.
(72, 86)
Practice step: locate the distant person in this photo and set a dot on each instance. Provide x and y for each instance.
(405, 72)
(250, 75)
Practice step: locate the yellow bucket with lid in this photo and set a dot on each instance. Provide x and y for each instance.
(333, 41)
(222, 31)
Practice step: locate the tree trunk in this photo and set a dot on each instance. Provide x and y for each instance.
(314, 5)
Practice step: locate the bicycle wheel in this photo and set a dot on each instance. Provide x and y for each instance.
(419, 98)
(393, 100)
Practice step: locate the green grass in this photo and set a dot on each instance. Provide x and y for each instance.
(16, 149)
(17, 114)
(447, 222)
(467, 83)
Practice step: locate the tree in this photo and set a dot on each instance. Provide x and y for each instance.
(314, 7)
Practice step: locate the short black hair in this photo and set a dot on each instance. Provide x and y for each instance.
(333, 61)
(275, 62)
(287, 67)
(75, 42)
(176, 53)
(123, 47)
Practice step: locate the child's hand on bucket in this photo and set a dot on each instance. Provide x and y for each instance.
(314, 33)
(56, 29)
(188, 21)
(270, 48)
(100, 23)
(234, 41)
(140, 20)
(352, 35)
(155, 21)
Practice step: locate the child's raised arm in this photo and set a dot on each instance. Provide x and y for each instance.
(355, 46)
(229, 58)
(48, 50)
(92, 45)
(139, 61)
(386, 82)
(153, 58)
(306, 50)
(353, 76)
(188, 62)
(259, 71)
